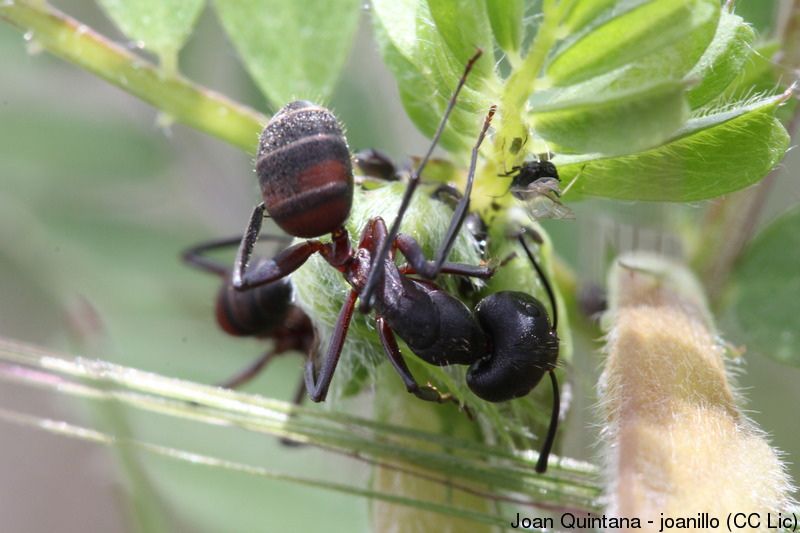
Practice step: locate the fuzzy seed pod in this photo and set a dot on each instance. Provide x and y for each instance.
(677, 443)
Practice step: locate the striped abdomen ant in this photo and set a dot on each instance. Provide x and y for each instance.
(306, 180)
(264, 312)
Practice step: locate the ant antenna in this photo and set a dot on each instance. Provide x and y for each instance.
(544, 453)
(380, 256)
(542, 277)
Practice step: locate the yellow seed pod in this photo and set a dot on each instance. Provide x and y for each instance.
(677, 445)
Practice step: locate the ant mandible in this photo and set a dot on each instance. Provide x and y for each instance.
(265, 312)
(306, 179)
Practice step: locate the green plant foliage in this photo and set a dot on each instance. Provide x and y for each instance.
(624, 82)
(722, 60)
(630, 33)
(586, 118)
(292, 48)
(505, 17)
(710, 156)
(757, 74)
(584, 12)
(160, 26)
(763, 311)
(759, 13)
(427, 71)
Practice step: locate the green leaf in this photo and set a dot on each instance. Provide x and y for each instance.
(722, 61)
(464, 27)
(710, 156)
(765, 288)
(427, 72)
(759, 13)
(582, 13)
(665, 28)
(293, 49)
(758, 74)
(161, 26)
(592, 117)
(506, 17)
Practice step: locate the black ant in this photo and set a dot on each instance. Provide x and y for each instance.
(264, 312)
(306, 179)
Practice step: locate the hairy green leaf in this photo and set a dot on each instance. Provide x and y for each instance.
(160, 26)
(464, 27)
(665, 28)
(758, 73)
(722, 60)
(710, 156)
(765, 288)
(506, 17)
(591, 118)
(427, 72)
(759, 13)
(292, 48)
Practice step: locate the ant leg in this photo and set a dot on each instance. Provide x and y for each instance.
(514, 170)
(318, 386)
(383, 251)
(412, 251)
(426, 392)
(545, 281)
(460, 212)
(283, 264)
(194, 256)
(544, 453)
(410, 248)
(249, 372)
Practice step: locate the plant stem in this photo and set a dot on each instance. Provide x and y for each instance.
(186, 102)
(518, 88)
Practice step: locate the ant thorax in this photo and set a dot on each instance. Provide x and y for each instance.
(319, 289)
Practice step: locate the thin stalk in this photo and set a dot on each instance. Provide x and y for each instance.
(174, 95)
(175, 398)
(84, 433)
(521, 83)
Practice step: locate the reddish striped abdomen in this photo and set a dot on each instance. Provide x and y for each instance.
(254, 312)
(304, 170)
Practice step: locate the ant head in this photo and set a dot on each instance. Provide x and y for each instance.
(304, 169)
(524, 346)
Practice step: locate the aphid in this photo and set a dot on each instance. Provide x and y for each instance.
(537, 184)
(264, 312)
(507, 343)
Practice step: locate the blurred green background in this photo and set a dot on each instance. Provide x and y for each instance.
(96, 202)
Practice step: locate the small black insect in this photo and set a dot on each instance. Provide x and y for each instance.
(538, 185)
(265, 312)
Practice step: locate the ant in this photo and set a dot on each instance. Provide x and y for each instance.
(306, 179)
(264, 312)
